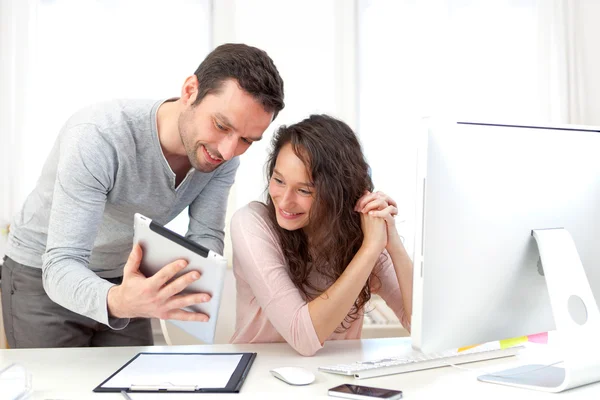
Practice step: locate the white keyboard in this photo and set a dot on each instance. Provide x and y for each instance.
(419, 361)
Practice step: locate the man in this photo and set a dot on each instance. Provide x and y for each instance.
(67, 279)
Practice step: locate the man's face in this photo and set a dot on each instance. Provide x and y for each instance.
(222, 126)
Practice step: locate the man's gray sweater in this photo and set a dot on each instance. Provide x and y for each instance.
(77, 224)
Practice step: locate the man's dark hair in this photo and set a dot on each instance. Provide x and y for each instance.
(252, 68)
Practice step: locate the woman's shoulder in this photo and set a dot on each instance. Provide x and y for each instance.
(251, 230)
(254, 209)
(251, 214)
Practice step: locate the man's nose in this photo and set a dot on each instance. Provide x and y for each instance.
(228, 146)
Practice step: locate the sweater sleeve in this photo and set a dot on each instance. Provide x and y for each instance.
(207, 211)
(258, 256)
(84, 176)
(386, 285)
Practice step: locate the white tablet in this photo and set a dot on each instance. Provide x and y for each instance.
(160, 247)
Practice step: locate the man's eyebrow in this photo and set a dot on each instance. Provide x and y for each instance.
(226, 121)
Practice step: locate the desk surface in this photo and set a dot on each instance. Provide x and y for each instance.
(71, 374)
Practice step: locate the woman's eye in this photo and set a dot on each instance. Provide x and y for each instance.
(305, 192)
(279, 181)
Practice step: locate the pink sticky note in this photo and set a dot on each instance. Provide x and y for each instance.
(539, 338)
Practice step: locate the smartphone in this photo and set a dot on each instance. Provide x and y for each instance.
(364, 392)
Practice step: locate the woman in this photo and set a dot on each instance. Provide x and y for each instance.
(308, 260)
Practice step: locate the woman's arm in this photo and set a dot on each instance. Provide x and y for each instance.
(329, 309)
(382, 206)
(259, 261)
(404, 273)
(263, 280)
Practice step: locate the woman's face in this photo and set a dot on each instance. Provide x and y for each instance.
(291, 190)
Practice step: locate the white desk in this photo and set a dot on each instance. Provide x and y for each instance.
(71, 374)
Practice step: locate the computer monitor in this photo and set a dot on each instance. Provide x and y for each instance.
(479, 275)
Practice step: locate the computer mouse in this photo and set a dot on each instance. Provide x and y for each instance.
(294, 375)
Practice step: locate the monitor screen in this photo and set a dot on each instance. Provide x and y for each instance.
(482, 189)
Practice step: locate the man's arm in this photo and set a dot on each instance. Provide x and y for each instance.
(207, 211)
(85, 175)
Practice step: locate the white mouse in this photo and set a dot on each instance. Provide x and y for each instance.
(294, 375)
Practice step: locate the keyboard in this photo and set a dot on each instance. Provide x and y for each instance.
(419, 361)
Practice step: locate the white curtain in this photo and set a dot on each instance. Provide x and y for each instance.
(17, 28)
(504, 61)
(560, 64)
(17, 52)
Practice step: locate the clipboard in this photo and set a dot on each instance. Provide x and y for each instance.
(180, 373)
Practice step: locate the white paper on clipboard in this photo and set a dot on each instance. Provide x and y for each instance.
(185, 370)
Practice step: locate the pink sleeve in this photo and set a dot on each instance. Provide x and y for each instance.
(386, 286)
(257, 254)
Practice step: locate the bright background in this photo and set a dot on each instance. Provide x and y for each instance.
(381, 65)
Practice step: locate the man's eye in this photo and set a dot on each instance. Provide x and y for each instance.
(247, 141)
(220, 127)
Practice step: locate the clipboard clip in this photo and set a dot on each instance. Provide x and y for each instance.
(163, 387)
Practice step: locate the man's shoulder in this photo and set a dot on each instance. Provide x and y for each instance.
(116, 106)
(116, 123)
(230, 166)
(109, 114)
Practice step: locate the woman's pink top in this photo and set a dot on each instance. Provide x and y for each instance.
(269, 306)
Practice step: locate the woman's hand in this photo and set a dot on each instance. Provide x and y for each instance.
(374, 231)
(380, 205)
(383, 208)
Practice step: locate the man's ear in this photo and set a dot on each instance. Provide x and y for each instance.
(189, 91)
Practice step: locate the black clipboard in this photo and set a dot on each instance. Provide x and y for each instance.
(233, 385)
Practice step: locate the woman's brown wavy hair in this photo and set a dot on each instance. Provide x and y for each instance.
(335, 162)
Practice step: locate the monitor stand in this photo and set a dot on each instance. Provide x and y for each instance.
(576, 317)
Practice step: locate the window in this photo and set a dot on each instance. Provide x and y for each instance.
(89, 51)
(457, 58)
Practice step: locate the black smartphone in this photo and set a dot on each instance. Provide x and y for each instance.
(364, 392)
